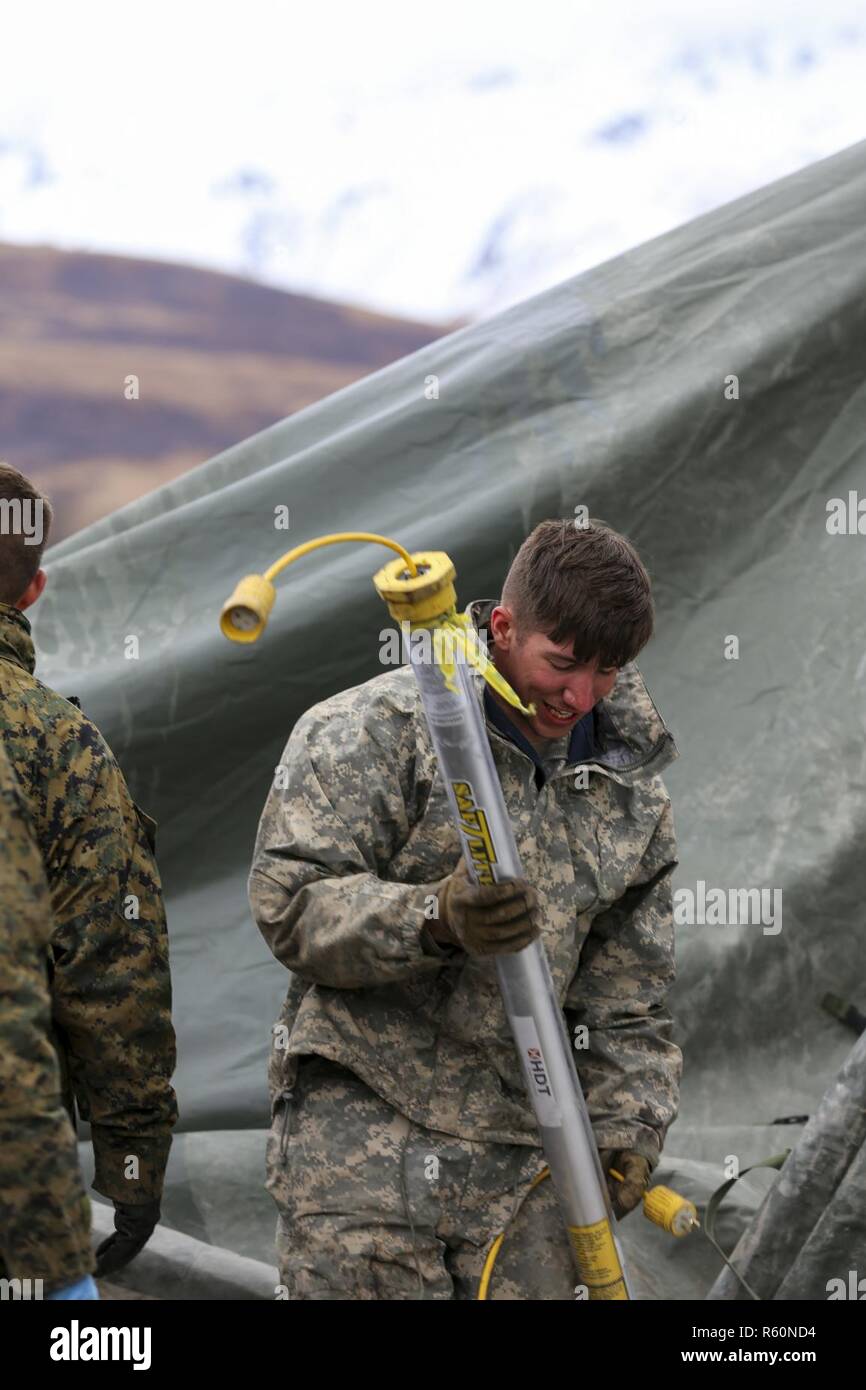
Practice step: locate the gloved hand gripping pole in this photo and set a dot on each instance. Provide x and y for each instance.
(419, 592)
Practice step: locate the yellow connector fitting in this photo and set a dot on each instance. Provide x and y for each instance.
(245, 614)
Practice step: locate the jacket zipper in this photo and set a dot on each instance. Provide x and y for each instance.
(287, 1097)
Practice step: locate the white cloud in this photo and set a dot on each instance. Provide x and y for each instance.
(426, 160)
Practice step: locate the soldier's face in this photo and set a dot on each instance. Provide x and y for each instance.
(545, 674)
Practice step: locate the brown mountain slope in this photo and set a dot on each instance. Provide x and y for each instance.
(216, 357)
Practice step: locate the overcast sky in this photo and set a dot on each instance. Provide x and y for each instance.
(428, 160)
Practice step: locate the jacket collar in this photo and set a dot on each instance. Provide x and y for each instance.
(16, 644)
(630, 734)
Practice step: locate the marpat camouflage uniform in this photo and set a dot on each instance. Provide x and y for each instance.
(44, 1213)
(110, 982)
(354, 840)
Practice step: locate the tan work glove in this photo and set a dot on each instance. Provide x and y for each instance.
(496, 919)
(635, 1170)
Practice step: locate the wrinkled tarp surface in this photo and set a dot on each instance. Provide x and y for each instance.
(607, 391)
(816, 1211)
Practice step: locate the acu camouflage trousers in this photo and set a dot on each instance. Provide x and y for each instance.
(374, 1206)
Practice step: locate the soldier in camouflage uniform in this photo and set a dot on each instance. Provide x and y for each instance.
(402, 1138)
(44, 1213)
(110, 982)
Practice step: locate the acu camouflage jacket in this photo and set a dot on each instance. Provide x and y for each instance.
(355, 837)
(110, 982)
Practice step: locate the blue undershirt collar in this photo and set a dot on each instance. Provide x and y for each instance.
(581, 745)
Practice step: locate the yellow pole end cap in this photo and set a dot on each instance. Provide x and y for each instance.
(245, 614)
(422, 596)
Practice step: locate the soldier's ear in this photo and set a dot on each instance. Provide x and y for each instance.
(33, 590)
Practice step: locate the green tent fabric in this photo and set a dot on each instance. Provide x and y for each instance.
(613, 390)
(816, 1213)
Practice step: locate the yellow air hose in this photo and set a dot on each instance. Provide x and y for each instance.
(661, 1205)
(417, 589)
(246, 612)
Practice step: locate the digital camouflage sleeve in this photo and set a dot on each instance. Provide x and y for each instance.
(629, 1064)
(44, 1213)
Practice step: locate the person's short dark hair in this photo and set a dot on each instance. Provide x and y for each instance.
(581, 583)
(25, 521)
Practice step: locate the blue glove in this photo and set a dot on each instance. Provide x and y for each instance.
(84, 1288)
